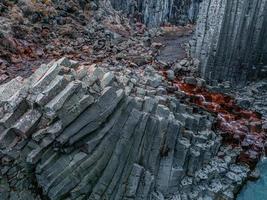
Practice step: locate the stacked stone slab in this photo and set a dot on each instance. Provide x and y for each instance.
(79, 131)
(155, 13)
(231, 38)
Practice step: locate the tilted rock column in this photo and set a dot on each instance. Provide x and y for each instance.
(73, 132)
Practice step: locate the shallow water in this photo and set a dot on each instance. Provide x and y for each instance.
(256, 190)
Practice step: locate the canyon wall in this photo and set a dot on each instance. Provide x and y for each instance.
(231, 39)
(158, 12)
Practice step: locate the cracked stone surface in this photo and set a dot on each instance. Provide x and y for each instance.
(230, 40)
(98, 106)
(74, 136)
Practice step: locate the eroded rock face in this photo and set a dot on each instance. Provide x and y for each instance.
(231, 38)
(154, 13)
(77, 131)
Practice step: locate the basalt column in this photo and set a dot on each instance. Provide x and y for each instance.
(157, 12)
(231, 39)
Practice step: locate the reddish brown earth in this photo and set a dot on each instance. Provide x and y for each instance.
(238, 127)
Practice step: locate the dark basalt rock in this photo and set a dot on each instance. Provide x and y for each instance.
(60, 140)
(122, 126)
(157, 12)
(231, 40)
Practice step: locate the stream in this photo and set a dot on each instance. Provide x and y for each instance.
(256, 190)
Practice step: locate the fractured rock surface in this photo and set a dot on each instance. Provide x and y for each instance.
(35, 32)
(84, 132)
(231, 40)
(121, 128)
(158, 12)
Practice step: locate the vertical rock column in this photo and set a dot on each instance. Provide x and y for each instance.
(231, 39)
(157, 12)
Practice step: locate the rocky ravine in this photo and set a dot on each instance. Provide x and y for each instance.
(129, 121)
(79, 131)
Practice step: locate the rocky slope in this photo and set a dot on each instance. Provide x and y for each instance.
(231, 38)
(34, 32)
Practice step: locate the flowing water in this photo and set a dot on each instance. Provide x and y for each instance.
(256, 190)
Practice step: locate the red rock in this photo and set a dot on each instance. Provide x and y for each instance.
(238, 126)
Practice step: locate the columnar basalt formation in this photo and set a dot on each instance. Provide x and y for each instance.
(78, 131)
(231, 38)
(155, 13)
(130, 120)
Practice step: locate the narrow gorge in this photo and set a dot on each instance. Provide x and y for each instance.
(133, 100)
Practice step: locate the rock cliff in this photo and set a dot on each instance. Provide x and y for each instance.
(155, 13)
(231, 40)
